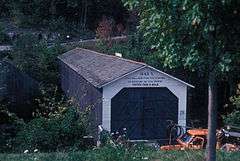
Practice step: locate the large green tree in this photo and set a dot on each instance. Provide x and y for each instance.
(200, 35)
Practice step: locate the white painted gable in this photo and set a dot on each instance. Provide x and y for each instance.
(146, 77)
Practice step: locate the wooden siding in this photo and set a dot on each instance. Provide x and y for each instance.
(17, 88)
(83, 93)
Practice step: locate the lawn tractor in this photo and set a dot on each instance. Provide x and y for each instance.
(228, 139)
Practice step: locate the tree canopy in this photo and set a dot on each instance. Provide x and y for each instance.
(199, 35)
(180, 31)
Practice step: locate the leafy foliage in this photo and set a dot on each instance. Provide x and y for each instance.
(234, 117)
(10, 124)
(56, 125)
(51, 102)
(61, 132)
(180, 32)
(132, 48)
(200, 35)
(36, 59)
(236, 101)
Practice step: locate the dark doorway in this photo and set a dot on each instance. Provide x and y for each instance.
(143, 112)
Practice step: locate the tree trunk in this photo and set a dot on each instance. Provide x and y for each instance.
(53, 9)
(85, 15)
(212, 118)
(210, 154)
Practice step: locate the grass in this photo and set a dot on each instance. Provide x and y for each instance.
(119, 154)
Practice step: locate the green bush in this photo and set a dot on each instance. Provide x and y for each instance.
(61, 132)
(51, 102)
(233, 118)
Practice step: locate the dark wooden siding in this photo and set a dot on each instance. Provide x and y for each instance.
(83, 93)
(17, 88)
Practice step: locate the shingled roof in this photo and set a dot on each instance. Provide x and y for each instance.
(101, 69)
(98, 68)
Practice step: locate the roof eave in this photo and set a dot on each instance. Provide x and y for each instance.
(107, 83)
(179, 80)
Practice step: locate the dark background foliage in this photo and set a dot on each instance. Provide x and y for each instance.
(85, 13)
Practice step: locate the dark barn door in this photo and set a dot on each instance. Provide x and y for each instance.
(143, 112)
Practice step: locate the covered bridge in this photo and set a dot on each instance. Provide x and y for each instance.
(123, 93)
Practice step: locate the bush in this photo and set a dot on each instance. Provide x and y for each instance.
(10, 124)
(61, 132)
(233, 118)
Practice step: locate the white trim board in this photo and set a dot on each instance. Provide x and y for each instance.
(146, 66)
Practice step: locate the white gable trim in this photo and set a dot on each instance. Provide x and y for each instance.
(146, 66)
(171, 76)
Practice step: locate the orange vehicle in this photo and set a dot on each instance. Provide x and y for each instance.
(227, 139)
(192, 139)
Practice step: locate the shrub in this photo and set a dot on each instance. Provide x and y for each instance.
(50, 102)
(236, 101)
(234, 117)
(61, 132)
(10, 124)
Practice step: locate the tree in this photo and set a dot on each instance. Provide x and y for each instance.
(82, 14)
(5, 8)
(36, 59)
(200, 35)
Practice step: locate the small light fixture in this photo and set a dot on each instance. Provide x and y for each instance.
(118, 55)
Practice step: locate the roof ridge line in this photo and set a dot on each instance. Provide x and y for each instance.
(113, 56)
